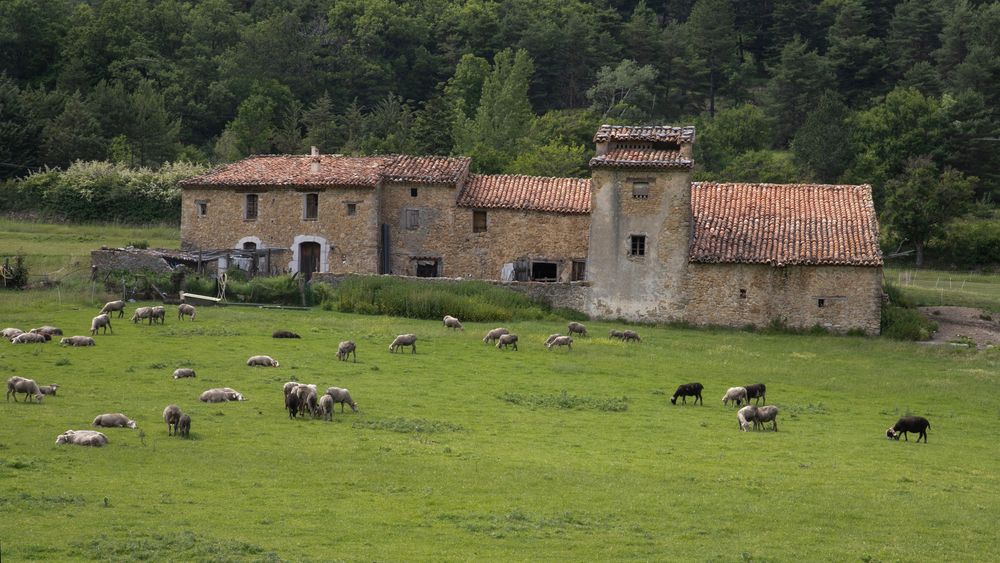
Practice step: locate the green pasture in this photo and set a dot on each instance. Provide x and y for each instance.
(465, 452)
(941, 287)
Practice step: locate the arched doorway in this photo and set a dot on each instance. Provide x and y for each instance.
(309, 258)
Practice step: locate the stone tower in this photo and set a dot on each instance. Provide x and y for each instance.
(640, 222)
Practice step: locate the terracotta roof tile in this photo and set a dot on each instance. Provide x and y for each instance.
(784, 224)
(427, 169)
(641, 158)
(653, 133)
(295, 170)
(535, 193)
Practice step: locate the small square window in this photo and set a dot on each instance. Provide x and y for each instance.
(352, 208)
(637, 245)
(640, 190)
(412, 219)
(579, 270)
(202, 207)
(479, 221)
(743, 294)
(413, 192)
(250, 211)
(821, 303)
(312, 206)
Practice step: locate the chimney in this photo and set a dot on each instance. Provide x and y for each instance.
(314, 166)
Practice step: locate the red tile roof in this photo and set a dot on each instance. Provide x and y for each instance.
(427, 169)
(652, 133)
(783, 224)
(641, 158)
(534, 193)
(295, 170)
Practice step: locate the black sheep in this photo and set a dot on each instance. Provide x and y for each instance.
(284, 334)
(756, 391)
(292, 404)
(909, 424)
(687, 390)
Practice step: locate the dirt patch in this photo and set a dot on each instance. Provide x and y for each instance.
(958, 324)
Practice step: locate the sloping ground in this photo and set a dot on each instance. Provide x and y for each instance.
(957, 323)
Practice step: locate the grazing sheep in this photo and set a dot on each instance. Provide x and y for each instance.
(342, 396)
(9, 333)
(566, 341)
(551, 338)
(404, 340)
(30, 338)
(747, 416)
(112, 306)
(452, 322)
(767, 414)
(141, 313)
(756, 391)
(82, 438)
(158, 313)
(736, 395)
(172, 416)
(183, 372)
(265, 361)
(307, 398)
(292, 404)
(616, 334)
(507, 340)
(909, 424)
(630, 335)
(346, 348)
(185, 309)
(24, 385)
(48, 389)
(48, 331)
(290, 386)
(577, 328)
(494, 335)
(77, 341)
(284, 334)
(184, 426)
(113, 420)
(100, 321)
(221, 395)
(687, 390)
(326, 407)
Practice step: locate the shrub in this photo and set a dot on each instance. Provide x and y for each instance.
(15, 276)
(900, 323)
(968, 244)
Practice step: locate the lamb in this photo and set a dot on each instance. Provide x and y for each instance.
(284, 334)
(346, 348)
(184, 425)
(221, 395)
(756, 391)
(185, 309)
(10, 333)
(265, 361)
(767, 414)
(180, 373)
(30, 338)
(172, 416)
(102, 320)
(48, 331)
(82, 438)
(551, 338)
(158, 312)
(566, 341)
(630, 335)
(737, 395)
(909, 424)
(112, 306)
(577, 328)
(24, 385)
(342, 396)
(113, 420)
(746, 416)
(141, 313)
(687, 390)
(404, 340)
(77, 341)
(48, 389)
(326, 407)
(507, 340)
(494, 335)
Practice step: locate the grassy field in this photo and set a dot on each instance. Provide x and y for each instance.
(939, 287)
(464, 452)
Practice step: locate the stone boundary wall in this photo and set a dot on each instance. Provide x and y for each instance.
(114, 259)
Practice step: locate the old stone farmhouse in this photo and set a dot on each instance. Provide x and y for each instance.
(650, 244)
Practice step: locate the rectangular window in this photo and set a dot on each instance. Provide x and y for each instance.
(544, 271)
(250, 211)
(821, 302)
(579, 270)
(637, 245)
(311, 206)
(479, 221)
(413, 192)
(640, 190)
(202, 207)
(412, 219)
(352, 208)
(743, 294)
(427, 268)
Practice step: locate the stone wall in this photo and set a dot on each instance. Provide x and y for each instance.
(431, 238)
(133, 261)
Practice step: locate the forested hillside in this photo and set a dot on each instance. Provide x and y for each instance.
(899, 94)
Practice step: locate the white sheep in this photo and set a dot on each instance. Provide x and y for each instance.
(265, 361)
(345, 349)
(747, 416)
(24, 385)
(100, 321)
(551, 338)
(112, 306)
(452, 322)
(82, 438)
(736, 395)
(566, 341)
(494, 335)
(404, 340)
(158, 313)
(114, 420)
(180, 373)
(326, 407)
(290, 386)
(507, 340)
(185, 309)
(48, 389)
(30, 338)
(221, 395)
(48, 331)
(342, 396)
(141, 313)
(172, 416)
(77, 341)
(767, 413)
(10, 333)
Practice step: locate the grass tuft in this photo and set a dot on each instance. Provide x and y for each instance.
(564, 400)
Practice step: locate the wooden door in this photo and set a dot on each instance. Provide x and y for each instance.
(308, 258)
